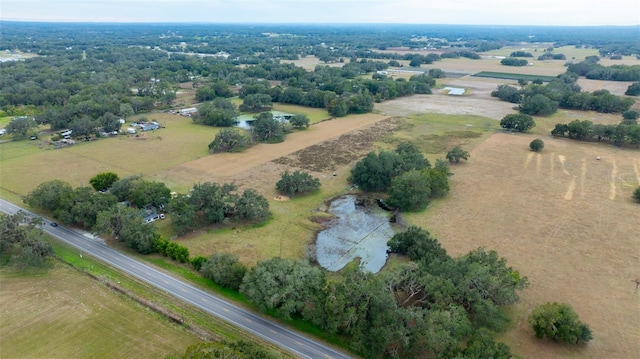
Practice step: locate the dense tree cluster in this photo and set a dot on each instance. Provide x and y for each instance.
(558, 322)
(405, 174)
(224, 269)
(209, 203)
(376, 171)
(235, 350)
(219, 112)
(21, 126)
(551, 56)
(520, 54)
(267, 128)
(103, 181)
(592, 70)
(229, 140)
(512, 61)
(517, 122)
(71, 206)
(563, 92)
(429, 305)
(633, 89)
(22, 241)
(120, 212)
(297, 182)
(586, 130)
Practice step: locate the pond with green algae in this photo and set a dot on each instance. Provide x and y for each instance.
(360, 229)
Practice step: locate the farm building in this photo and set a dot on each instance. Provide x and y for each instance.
(149, 126)
(454, 91)
(187, 111)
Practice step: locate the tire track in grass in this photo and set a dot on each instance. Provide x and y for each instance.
(583, 175)
(528, 160)
(612, 181)
(572, 186)
(562, 160)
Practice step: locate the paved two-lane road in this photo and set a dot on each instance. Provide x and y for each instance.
(293, 342)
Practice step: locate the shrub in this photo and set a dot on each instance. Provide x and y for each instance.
(536, 145)
(518, 122)
(633, 89)
(224, 269)
(558, 322)
(297, 182)
(456, 154)
(636, 194)
(228, 140)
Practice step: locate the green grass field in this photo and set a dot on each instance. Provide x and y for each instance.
(148, 334)
(26, 164)
(61, 313)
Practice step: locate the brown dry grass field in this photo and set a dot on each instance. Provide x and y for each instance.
(60, 313)
(560, 217)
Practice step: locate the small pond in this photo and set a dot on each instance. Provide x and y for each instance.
(360, 230)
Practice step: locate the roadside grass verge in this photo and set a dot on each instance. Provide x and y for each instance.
(57, 312)
(200, 323)
(511, 76)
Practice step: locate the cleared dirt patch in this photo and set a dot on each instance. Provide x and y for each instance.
(615, 87)
(560, 217)
(478, 102)
(228, 166)
(328, 155)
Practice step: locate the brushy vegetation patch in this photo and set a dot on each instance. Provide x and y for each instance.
(510, 76)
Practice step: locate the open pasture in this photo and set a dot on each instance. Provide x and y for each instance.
(561, 217)
(60, 313)
(25, 165)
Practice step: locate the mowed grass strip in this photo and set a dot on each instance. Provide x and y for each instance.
(61, 313)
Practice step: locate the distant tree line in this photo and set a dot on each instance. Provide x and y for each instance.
(512, 61)
(591, 69)
(626, 133)
(551, 56)
(564, 92)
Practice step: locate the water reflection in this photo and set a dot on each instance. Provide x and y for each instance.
(358, 231)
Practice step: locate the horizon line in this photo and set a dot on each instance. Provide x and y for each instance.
(296, 23)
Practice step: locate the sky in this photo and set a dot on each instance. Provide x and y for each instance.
(480, 12)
